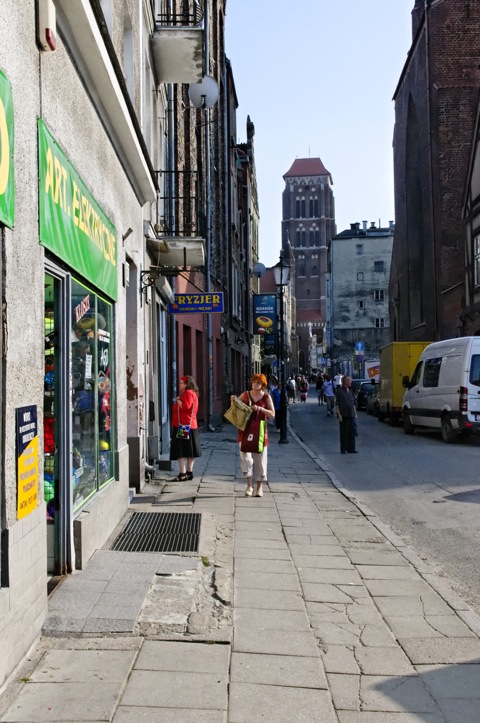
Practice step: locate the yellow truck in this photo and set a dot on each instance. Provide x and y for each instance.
(397, 360)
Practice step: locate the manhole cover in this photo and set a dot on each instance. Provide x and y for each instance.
(160, 532)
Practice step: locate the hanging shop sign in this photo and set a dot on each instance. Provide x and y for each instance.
(197, 303)
(72, 223)
(264, 312)
(7, 181)
(27, 460)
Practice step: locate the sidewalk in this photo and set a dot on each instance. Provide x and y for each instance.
(298, 606)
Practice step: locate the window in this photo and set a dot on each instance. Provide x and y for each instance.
(314, 271)
(476, 260)
(359, 249)
(316, 208)
(432, 372)
(475, 370)
(379, 265)
(311, 208)
(301, 271)
(297, 208)
(297, 238)
(304, 212)
(360, 276)
(311, 237)
(360, 304)
(317, 238)
(304, 236)
(92, 391)
(379, 294)
(379, 323)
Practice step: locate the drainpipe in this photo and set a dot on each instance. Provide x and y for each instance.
(171, 213)
(209, 229)
(430, 170)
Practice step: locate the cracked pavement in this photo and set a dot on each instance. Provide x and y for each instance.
(300, 605)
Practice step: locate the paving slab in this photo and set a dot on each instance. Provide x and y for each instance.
(268, 599)
(284, 670)
(323, 561)
(183, 656)
(427, 651)
(178, 689)
(66, 701)
(316, 592)
(271, 619)
(135, 714)
(266, 581)
(381, 693)
(83, 666)
(244, 564)
(430, 626)
(387, 572)
(412, 605)
(329, 575)
(274, 642)
(348, 716)
(251, 703)
(359, 557)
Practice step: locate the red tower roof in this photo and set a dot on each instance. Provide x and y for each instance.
(307, 167)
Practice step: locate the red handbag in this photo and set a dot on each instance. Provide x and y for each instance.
(255, 435)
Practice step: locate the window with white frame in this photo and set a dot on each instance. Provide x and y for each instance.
(379, 294)
(360, 276)
(359, 249)
(379, 323)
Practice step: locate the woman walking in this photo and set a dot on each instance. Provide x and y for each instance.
(255, 463)
(185, 442)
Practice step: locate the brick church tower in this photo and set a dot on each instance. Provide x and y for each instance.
(308, 224)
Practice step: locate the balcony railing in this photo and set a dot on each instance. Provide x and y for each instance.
(180, 204)
(184, 14)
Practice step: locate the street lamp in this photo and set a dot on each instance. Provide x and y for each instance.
(282, 277)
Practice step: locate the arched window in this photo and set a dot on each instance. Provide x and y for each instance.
(297, 238)
(311, 237)
(304, 235)
(304, 213)
(311, 207)
(316, 207)
(301, 271)
(317, 238)
(314, 271)
(297, 209)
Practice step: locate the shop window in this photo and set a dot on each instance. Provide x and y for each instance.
(92, 391)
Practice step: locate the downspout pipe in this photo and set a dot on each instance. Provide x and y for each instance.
(172, 216)
(208, 209)
(430, 169)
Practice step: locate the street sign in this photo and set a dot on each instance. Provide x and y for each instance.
(359, 347)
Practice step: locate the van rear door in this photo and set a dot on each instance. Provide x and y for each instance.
(474, 383)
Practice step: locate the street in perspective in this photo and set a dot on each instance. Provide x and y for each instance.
(239, 361)
(320, 601)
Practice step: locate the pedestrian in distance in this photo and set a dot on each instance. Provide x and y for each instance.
(329, 394)
(304, 390)
(337, 380)
(185, 441)
(319, 387)
(254, 464)
(346, 415)
(275, 393)
(291, 389)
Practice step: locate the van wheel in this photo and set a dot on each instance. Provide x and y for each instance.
(448, 433)
(408, 427)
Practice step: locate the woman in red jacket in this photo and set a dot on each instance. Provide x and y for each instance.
(186, 448)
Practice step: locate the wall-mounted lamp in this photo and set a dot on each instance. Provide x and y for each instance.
(239, 341)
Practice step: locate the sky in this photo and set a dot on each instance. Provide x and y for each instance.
(317, 79)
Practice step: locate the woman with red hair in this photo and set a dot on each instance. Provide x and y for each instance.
(255, 463)
(185, 446)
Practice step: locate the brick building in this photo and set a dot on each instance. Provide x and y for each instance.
(435, 103)
(308, 223)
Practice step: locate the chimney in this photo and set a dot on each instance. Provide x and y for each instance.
(364, 224)
(372, 224)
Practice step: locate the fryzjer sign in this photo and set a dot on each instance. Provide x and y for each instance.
(197, 303)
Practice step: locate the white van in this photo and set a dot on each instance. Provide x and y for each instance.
(444, 392)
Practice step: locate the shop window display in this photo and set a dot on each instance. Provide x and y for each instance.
(49, 407)
(92, 457)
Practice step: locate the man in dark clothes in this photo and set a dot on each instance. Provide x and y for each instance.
(346, 415)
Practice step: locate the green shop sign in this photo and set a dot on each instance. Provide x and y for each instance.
(72, 224)
(7, 182)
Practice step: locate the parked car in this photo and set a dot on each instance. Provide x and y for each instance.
(372, 403)
(361, 395)
(356, 384)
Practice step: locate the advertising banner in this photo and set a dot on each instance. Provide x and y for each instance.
(264, 314)
(372, 370)
(72, 224)
(197, 303)
(27, 460)
(7, 182)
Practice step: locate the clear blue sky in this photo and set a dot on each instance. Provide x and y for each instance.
(317, 79)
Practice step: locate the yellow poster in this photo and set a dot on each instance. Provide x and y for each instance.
(27, 460)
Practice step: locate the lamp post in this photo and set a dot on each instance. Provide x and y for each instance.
(282, 278)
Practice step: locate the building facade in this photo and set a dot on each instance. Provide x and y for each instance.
(435, 106)
(358, 301)
(108, 207)
(308, 224)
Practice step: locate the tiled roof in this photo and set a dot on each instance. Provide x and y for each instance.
(307, 167)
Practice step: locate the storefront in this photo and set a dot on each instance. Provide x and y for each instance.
(80, 291)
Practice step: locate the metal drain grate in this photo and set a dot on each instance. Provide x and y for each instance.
(160, 532)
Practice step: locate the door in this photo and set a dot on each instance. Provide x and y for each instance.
(56, 423)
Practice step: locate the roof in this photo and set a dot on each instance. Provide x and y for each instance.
(307, 167)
